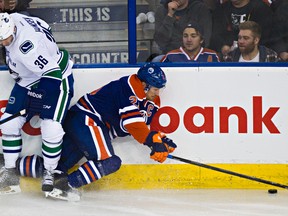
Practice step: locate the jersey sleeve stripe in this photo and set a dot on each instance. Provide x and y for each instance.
(133, 120)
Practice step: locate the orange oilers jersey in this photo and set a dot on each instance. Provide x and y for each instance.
(179, 55)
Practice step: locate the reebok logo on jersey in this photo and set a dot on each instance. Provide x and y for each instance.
(26, 46)
(35, 95)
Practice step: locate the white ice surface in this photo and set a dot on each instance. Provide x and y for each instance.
(197, 202)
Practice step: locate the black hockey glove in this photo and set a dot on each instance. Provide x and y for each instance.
(34, 103)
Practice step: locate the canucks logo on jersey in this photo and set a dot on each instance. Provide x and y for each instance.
(26, 46)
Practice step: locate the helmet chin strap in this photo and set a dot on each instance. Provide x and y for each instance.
(14, 32)
(14, 36)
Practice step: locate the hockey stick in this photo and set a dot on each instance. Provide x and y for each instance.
(20, 113)
(227, 171)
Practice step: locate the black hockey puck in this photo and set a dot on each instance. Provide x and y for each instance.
(272, 191)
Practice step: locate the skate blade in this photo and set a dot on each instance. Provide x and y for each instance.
(60, 195)
(14, 189)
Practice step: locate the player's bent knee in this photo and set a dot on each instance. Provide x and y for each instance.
(12, 127)
(51, 131)
(109, 165)
(93, 170)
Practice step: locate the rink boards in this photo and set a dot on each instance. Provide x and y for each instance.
(232, 117)
(182, 176)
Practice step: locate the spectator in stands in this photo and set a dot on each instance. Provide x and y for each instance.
(280, 28)
(227, 17)
(211, 4)
(19, 6)
(172, 16)
(248, 49)
(192, 49)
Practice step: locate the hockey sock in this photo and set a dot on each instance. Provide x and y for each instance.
(30, 166)
(12, 146)
(51, 154)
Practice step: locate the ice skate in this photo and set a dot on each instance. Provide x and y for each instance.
(9, 181)
(48, 181)
(63, 190)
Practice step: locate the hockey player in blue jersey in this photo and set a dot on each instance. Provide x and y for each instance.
(122, 107)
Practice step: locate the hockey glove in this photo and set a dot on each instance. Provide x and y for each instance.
(170, 143)
(34, 104)
(159, 150)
